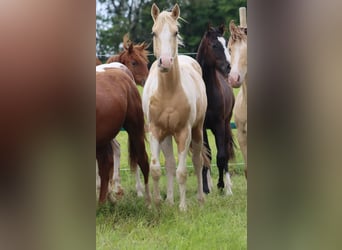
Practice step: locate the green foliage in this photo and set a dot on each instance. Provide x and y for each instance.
(134, 17)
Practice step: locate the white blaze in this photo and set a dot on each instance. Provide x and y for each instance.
(223, 42)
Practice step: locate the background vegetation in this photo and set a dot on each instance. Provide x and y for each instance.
(118, 17)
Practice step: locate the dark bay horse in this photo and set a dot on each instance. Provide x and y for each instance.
(118, 104)
(214, 59)
(134, 56)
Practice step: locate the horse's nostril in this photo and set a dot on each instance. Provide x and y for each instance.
(160, 61)
(238, 78)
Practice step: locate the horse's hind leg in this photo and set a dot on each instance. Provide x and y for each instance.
(138, 185)
(137, 151)
(104, 158)
(197, 160)
(115, 186)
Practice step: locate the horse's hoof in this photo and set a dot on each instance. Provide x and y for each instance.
(170, 202)
(182, 208)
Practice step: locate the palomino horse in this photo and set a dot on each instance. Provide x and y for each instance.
(214, 59)
(238, 76)
(134, 56)
(118, 104)
(174, 103)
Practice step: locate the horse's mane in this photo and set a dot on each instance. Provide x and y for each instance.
(237, 33)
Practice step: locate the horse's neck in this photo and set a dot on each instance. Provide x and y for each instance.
(169, 82)
(209, 73)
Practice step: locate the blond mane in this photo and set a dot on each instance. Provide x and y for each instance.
(236, 32)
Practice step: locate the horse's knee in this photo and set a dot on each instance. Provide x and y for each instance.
(181, 175)
(221, 160)
(155, 171)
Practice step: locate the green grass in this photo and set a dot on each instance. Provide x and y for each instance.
(221, 223)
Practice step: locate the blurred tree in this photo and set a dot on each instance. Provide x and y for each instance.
(133, 16)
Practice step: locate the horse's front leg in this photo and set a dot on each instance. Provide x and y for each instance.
(155, 167)
(183, 139)
(170, 166)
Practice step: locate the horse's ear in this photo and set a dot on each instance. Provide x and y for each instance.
(232, 29)
(175, 12)
(222, 29)
(130, 48)
(155, 11)
(126, 41)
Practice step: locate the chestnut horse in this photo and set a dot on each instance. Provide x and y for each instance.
(118, 104)
(134, 56)
(213, 57)
(238, 77)
(174, 103)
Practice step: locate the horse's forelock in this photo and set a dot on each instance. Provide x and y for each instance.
(236, 32)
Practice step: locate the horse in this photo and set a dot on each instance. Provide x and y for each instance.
(134, 57)
(174, 104)
(214, 59)
(118, 104)
(237, 45)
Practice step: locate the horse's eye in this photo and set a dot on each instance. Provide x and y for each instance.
(230, 51)
(176, 33)
(214, 46)
(134, 63)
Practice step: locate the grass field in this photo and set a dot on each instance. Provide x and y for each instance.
(221, 223)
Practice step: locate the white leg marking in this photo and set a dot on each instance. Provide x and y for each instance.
(155, 167)
(138, 184)
(228, 185)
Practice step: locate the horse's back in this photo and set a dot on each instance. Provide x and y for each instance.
(112, 90)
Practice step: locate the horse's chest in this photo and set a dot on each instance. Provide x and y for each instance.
(169, 114)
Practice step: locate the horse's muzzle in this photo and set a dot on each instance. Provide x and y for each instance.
(234, 80)
(165, 63)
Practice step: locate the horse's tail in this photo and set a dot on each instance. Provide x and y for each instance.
(136, 134)
(206, 157)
